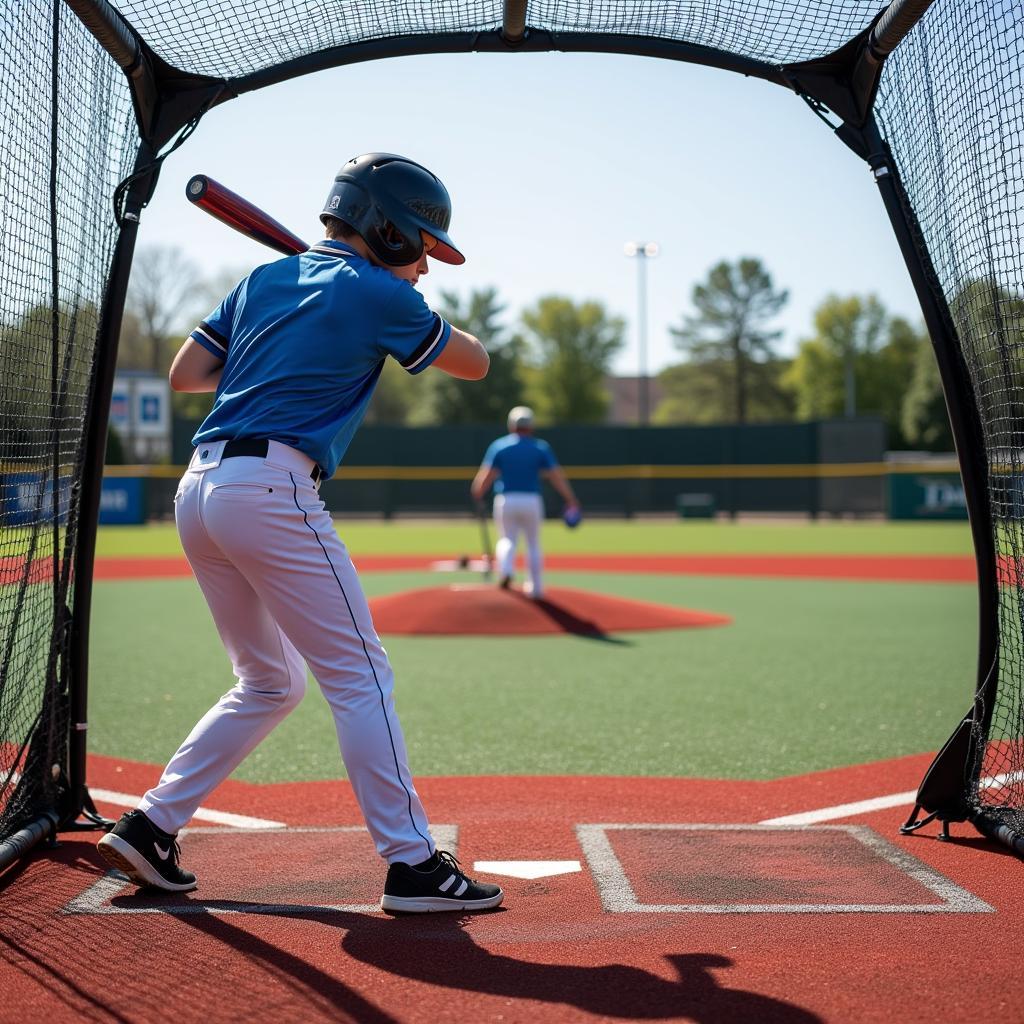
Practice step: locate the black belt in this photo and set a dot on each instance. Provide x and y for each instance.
(256, 448)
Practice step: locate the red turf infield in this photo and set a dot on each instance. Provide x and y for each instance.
(910, 568)
(554, 952)
(483, 609)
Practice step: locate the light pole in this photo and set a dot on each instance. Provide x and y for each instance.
(642, 251)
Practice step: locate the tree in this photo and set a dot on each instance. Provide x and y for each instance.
(701, 393)
(396, 397)
(161, 298)
(847, 332)
(729, 330)
(924, 420)
(47, 364)
(858, 361)
(886, 375)
(466, 401)
(989, 321)
(570, 348)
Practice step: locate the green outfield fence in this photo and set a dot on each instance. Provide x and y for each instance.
(826, 467)
(822, 467)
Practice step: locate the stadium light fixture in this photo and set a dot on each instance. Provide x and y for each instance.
(642, 252)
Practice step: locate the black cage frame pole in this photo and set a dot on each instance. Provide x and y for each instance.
(513, 21)
(846, 83)
(128, 51)
(943, 790)
(97, 420)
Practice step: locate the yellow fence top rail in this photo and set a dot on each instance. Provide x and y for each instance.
(638, 472)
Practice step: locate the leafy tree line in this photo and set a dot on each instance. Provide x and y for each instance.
(856, 358)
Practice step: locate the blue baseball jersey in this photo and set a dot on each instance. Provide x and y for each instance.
(519, 458)
(304, 341)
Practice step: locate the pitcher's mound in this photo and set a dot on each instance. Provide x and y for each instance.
(483, 609)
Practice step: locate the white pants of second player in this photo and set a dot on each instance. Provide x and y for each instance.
(283, 593)
(515, 513)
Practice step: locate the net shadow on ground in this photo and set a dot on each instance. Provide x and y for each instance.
(61, 967)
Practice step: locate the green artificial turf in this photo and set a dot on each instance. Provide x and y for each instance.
(616, 536)
(811, 675)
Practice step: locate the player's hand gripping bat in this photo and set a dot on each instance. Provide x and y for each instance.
(240, 214)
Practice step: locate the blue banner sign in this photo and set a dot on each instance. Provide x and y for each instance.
(122, 501)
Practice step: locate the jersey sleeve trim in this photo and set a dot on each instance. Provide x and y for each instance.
(212, 340)
(430, 348)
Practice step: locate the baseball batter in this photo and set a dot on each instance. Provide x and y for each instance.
(515, 465)
(293, 354)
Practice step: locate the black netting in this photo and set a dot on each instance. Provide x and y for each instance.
(68, 132)
(951, 105)
(952, 108)
(774, 31)
(226, 39)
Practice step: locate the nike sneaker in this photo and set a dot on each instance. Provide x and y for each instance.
(146, 854)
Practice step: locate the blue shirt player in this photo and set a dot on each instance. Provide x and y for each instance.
(515, 465)
(293, 354)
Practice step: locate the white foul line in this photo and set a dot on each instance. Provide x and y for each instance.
(879, 803)
(217, 817)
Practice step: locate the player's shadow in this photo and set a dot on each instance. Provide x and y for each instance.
(569, 622)
(438, 950)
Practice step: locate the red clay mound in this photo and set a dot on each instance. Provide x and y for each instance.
(485, 610)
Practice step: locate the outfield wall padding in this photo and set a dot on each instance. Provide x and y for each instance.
(855, 440)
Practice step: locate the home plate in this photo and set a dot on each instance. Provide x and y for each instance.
(460, 565)
(527, 868)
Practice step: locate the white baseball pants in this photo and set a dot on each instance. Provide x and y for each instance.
(282, 591)
(518, 512)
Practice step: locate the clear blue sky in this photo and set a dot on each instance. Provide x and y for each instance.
(553, 162)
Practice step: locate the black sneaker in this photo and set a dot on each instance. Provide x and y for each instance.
(438, 885)
(505, 582)
(147, 855)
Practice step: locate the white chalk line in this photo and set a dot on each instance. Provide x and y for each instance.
(97, 898)
(109, 796)
(618, 895)
(878, 803)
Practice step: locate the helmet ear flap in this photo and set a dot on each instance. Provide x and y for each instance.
(403, 247)
(399, 247)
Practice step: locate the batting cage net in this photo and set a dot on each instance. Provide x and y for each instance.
(951, 106)
(927, 92)
(68, 132)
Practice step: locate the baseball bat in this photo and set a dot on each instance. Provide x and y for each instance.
(485, 539)
(240, 214)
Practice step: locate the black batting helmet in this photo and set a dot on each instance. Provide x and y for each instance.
(388, 199)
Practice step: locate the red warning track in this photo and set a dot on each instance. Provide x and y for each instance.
(485, 610)
(275, 933)
(908, 568)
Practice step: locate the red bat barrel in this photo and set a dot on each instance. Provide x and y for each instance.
(240, 214)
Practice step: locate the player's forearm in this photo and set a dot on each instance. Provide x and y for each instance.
(561, 484)
(200, 385)
(195, 370)
(482, 483)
